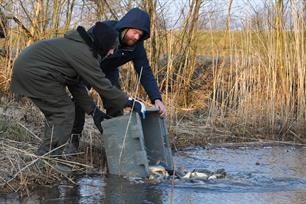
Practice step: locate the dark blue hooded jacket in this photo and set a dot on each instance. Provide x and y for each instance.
(139, 19)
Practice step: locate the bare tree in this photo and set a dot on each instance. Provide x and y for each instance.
(3, 25)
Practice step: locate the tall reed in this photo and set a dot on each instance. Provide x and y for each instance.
(263, 86)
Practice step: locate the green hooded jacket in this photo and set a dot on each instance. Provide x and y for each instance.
(47, 67)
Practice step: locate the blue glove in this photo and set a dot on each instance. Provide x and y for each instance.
(137, 106)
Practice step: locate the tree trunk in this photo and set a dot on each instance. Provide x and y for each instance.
(55, 17)
(34, 26)
(70, 6)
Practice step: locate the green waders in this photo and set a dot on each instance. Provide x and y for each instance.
(59, 113)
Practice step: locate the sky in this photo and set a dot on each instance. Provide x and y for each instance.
(240, 9)
(214, 12)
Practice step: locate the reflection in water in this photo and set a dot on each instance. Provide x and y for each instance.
(91, 189)
(114, 189)
(120, 190)
(196, 197)
(45, 195)
(254, 175)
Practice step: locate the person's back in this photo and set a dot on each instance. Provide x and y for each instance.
(44, 71)
(47, 60)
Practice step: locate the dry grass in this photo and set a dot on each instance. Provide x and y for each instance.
(21, 169)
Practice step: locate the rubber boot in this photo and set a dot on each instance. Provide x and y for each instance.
(74, 143)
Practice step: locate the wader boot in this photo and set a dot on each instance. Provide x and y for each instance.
(51, 142)
(74, 143)
(76, 132)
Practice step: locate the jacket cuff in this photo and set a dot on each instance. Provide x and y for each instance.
(153, 101)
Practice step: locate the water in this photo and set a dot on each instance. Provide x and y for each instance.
(274, 174)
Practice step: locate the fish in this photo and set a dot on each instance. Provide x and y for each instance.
(204, 174)
(196, 175)
(158, 170)
(220, 173)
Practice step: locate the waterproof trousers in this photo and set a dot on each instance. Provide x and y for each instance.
(59, 114)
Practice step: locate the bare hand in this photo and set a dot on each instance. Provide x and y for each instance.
(162, 109)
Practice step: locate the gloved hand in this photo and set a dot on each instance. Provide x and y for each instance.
(137, 106)
(98, 116)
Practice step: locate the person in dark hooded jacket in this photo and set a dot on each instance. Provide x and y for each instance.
(133, 29)
(46, 68)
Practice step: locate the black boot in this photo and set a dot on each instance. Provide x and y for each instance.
(74, 143)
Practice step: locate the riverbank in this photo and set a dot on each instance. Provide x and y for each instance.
(21, 126)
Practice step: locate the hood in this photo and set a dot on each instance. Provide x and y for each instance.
(73, 35)
(135, 18)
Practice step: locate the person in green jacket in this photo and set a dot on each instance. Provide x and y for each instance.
(44, 70)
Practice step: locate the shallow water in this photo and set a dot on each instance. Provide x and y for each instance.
(274, 174)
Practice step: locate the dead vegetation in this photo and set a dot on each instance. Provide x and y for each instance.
(21, 169)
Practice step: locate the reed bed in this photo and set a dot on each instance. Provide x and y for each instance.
(263, 87)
